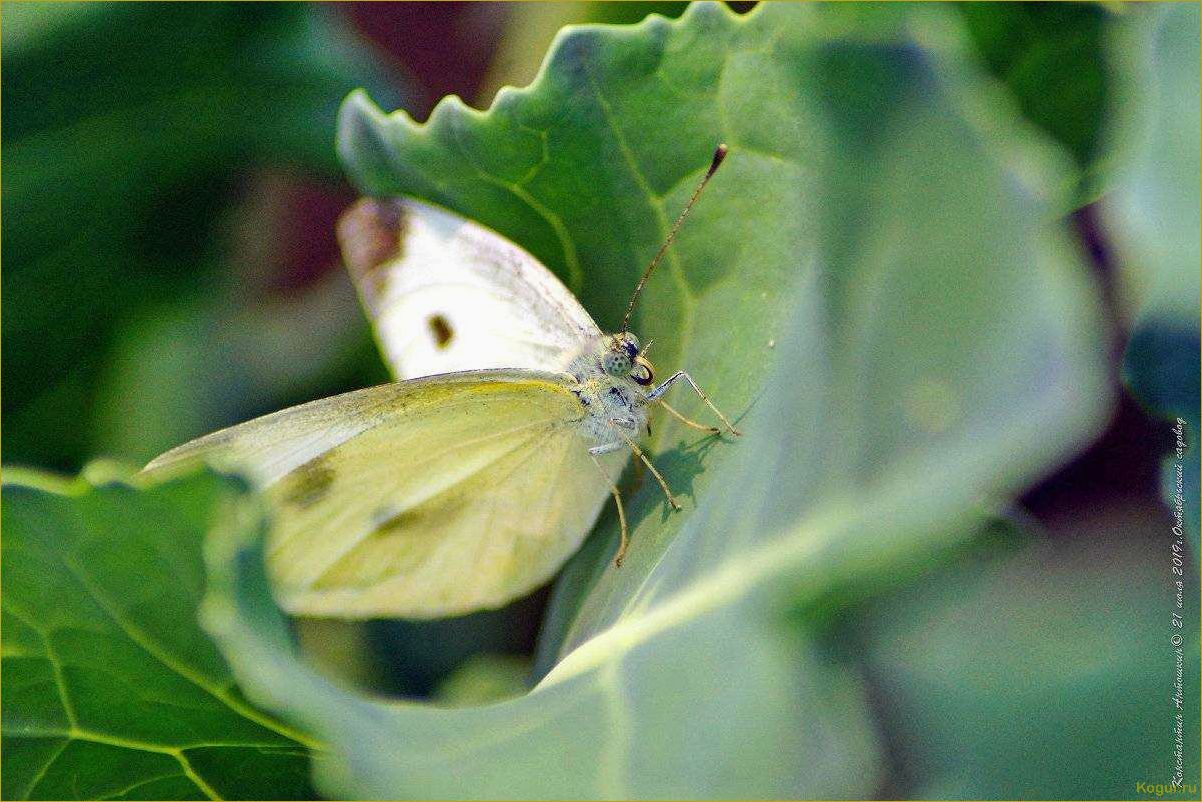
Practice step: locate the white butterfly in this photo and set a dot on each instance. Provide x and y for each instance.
(470, 481)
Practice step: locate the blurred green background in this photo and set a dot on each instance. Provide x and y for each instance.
(169, 200)
(169, 267)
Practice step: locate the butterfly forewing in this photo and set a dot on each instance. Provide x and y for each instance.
(420, 499)
(446, 294)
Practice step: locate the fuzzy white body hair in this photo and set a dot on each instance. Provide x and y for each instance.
(608, 401)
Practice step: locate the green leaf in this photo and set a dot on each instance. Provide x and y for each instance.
(1048, 673)
(873, 286)
(1154, 211)
(111, 690)
(485, 678)
(530, 29)
(1052, 58)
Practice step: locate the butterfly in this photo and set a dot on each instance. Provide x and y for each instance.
(469, 481)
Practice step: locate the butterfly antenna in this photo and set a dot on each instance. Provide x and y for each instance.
(719, 155)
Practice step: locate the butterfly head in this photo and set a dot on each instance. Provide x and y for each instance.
(623, 356)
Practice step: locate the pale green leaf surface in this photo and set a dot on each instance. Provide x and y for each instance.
(1155, 213)
(485, 678)
(877, 233)
(111, 690)
(1155, 204)
(1044, 674)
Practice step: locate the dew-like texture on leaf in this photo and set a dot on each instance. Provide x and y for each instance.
(872, 287)
(111, 689)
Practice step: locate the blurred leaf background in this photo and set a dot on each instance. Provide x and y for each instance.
(169, 268)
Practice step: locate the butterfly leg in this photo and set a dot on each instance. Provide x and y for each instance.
(613, 489)
(638, 452)
(687, 422)
(655, 394)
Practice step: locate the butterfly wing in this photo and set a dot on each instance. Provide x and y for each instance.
(420, 499)
(446, 294)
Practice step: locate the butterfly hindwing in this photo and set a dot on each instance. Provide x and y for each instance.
(446, 294)
(419, 499)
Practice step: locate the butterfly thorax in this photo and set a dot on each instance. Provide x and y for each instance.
(610, 377)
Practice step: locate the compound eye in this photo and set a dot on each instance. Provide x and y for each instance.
(616, 363)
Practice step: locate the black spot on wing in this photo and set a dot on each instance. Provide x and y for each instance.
(440, 330)
(308, 484)
(390, 520)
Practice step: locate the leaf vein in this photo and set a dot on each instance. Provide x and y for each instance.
(41, 775)
(688, 302)
(56, 666)
(566, 242)
(164, 657)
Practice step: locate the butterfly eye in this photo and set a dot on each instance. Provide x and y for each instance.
(616, 363)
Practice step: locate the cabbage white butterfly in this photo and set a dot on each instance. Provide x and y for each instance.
(472, 479)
